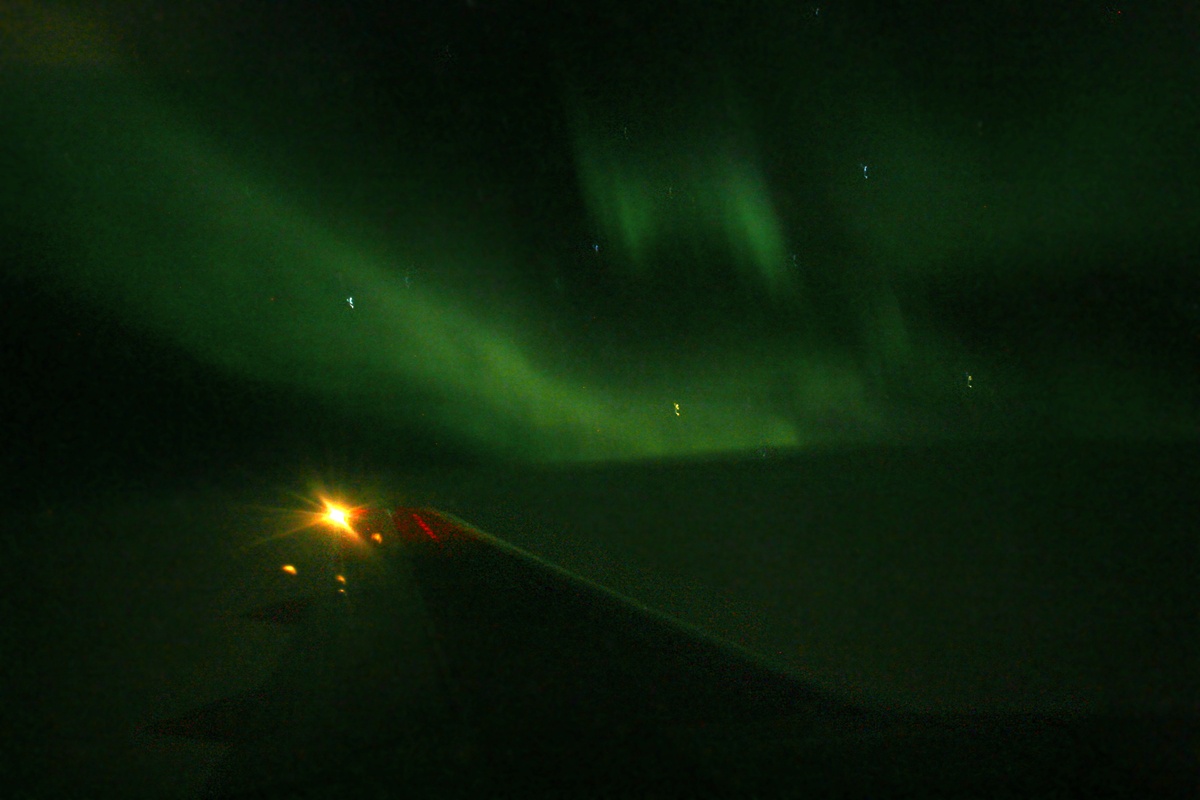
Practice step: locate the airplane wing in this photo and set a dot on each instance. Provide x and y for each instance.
(445, 662)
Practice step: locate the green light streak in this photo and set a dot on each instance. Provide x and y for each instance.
(186, 242)
(193, 236)
(683, 192)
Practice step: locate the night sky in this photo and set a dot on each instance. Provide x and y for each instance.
(638, 231)
(727, 273)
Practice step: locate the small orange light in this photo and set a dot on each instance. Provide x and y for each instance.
(341, 578)
(377, 538)
(289, 569)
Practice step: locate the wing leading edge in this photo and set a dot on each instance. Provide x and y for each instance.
(448, 663)
(450, 660)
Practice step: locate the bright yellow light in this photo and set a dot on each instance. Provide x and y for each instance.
(289, 569)
(337, 516)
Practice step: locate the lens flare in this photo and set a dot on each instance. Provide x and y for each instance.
(337, 516)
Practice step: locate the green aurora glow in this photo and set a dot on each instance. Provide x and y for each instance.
(212, 243)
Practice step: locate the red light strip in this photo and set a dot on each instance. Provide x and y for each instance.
(428, 530)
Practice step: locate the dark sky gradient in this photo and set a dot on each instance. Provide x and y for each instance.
(863, 335)
(803, 225)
